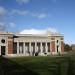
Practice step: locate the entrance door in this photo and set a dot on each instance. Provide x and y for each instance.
(2, 50)
(57, 48)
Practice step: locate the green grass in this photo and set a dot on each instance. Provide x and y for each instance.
(56, 65)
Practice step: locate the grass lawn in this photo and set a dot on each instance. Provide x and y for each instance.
(49, 65)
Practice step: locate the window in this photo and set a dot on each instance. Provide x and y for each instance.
(3, 40)
(57, 41)
(48, 44)
(15, 48)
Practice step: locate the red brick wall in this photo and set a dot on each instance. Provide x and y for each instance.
(62, 46)
(53, 46)
(10, 46)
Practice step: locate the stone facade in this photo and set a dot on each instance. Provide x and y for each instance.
(30, 45)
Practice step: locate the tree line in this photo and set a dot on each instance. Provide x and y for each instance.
(67, 47)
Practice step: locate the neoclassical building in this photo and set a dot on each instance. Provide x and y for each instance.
(12, 44)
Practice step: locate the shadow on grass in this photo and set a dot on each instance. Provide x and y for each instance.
(70, 67)
(8, 67)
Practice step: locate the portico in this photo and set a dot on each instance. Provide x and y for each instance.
(30, 48)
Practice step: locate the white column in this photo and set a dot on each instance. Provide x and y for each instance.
(30, 48)
(35, 47)
(46, 47)
(24, 48)
(17, 47)
(41, 48)
(20, 49)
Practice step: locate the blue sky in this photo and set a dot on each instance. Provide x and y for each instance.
(18, 15)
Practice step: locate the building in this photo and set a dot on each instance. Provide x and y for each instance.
(31, 44)
(73, 47)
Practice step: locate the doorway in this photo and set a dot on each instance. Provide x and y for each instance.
(2, 50)
(57, 49)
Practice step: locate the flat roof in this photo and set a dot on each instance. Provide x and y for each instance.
(40, 35)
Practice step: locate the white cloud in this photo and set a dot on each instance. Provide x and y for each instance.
(32, 31)
(12, 24)
(5, 26)
(19, 12)
(38, 31)
(23, 1)
(26, 12)
(2, 26)
(39, 16)
(52, 30)
(2, 11)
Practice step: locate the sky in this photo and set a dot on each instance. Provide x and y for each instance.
(56, 15)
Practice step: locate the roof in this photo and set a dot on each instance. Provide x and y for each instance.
(40, 35)
(5, 33)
